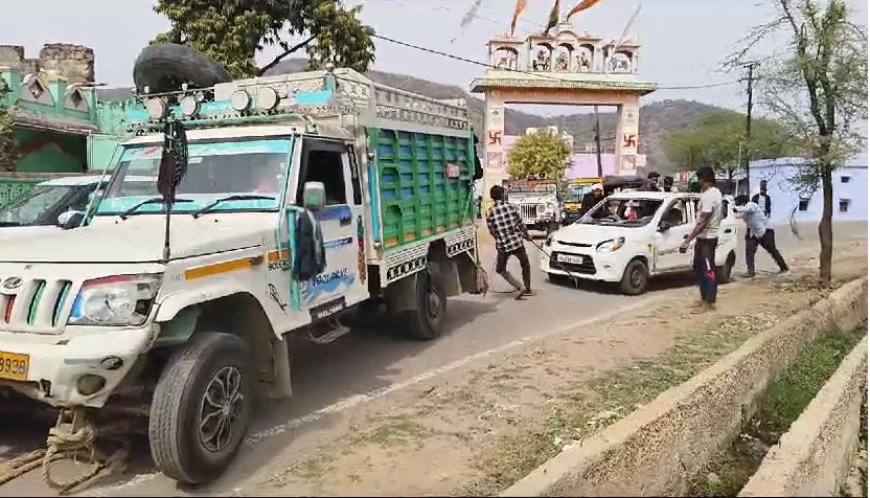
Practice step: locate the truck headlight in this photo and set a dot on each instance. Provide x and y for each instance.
(117, 300)
(610, 245)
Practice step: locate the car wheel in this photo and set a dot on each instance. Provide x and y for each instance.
(201, 408)
(635, 278)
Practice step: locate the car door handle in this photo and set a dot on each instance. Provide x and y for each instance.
(685, 237)
(728, 230)
(345, 220)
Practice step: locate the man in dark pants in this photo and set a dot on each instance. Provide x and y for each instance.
(758, 233)
(707, 232)
(762, 198)
(506, 226)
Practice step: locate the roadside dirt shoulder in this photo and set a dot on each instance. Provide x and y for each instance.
(479, 429)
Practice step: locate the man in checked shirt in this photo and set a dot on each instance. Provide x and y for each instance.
(507, 228)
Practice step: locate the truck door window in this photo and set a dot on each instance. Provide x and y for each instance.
(325, 166)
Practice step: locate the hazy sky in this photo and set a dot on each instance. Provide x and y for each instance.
(684, 41)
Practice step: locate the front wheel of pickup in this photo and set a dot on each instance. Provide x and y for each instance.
(201, 408)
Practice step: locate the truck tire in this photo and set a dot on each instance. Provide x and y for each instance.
(201, 408)
(166, 66)
(426, 322)
(635, 278)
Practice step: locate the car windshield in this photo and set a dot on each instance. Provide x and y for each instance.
(215, 169)
(27, 209)
(623, 212)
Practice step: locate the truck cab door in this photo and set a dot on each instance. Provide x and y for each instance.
(677, 217)
(343, 282)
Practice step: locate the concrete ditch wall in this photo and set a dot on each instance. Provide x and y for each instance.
(657, 448)
(813, 457)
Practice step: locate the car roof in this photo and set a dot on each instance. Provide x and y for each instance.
(78, 181)
(651, 195)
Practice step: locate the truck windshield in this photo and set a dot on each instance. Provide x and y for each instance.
(576, 192)
(30, 208)
(623, 212)
(215, 169)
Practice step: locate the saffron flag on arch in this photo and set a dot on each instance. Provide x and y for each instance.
(521, 6)
(583, 5)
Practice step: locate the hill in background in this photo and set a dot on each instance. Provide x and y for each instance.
(657, 119)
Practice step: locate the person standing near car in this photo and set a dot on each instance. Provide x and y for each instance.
(506, 226)
(762, 198)
(758, 233)
(707, 233)
(591, 198)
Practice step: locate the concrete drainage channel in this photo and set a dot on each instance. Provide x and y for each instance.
(663, 447)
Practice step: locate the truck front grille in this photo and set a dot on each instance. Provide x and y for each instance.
(529, 212)
(37, 305)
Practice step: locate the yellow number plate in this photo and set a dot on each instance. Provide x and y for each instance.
(14, 366)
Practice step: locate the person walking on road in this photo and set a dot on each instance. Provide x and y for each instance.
(762, 198)
(758, 233)
(707, 233)
(506, 226)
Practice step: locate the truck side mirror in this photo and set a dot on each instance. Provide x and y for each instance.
(313, 196)
(70, 219)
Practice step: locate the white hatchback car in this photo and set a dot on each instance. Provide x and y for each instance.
(629, 237)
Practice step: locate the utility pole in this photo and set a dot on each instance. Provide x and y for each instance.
(749, 80)
(598, 143)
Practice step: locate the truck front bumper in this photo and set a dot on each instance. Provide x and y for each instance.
(80, 367)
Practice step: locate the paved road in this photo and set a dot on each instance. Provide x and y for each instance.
(373, 361)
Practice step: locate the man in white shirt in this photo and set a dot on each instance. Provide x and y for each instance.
(758, 233)
(707, 233)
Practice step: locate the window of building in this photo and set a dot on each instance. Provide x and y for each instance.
(845, 179)
(844, 205)
(804, 204)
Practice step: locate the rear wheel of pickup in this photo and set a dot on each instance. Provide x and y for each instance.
(427, 320)
(201, 408)
(635, 278)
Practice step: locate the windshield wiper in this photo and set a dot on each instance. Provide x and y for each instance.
(245, 197)
(154, 200)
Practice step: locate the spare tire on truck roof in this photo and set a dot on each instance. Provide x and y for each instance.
(166, 66)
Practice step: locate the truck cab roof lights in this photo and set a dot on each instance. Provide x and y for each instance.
(189, 105)
(156, 108)
(267, 98)
(240, 100)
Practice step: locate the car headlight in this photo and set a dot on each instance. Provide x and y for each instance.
(610, 245)
(117, 300)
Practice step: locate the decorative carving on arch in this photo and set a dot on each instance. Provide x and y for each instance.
(562, 58)
(584, 60)
(35, 90)
(622, 62)
(505, 58)
(542, 56)
(76, 101)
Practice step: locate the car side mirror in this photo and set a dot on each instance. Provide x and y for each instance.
(313, 196)
(70, 219)
(664, 226)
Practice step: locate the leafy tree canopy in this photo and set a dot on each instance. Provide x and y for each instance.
(232, 33)
(720, 141)
(538, 154)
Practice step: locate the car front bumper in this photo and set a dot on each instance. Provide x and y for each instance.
(600, 266)
(57, 363)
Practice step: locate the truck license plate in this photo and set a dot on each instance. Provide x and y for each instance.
(570, 259)
(14, 366)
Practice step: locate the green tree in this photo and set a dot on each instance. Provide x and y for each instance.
(538, 154)
(719, 141)
(817, 87)
(9, 155)
(232, 33)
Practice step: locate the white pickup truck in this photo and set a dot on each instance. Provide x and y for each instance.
(99, 316)
(629, 237)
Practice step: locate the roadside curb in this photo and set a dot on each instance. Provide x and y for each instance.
(813, 457)
(655, 450)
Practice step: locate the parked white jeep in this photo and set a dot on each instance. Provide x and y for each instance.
(632, 236)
